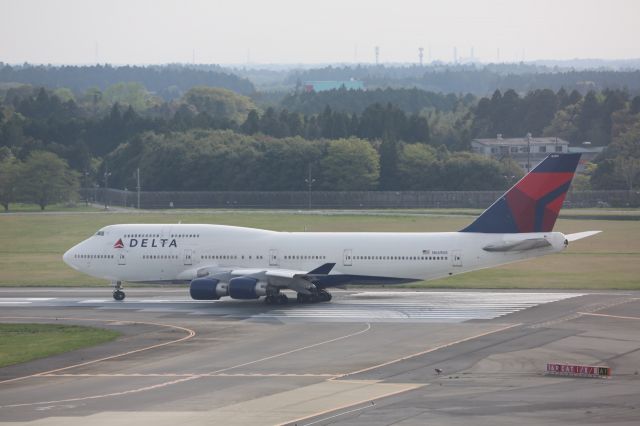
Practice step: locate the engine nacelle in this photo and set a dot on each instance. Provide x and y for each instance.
(246, 288)
(208, 289)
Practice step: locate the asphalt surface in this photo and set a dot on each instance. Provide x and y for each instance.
(367, 357)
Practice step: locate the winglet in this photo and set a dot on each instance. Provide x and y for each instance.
(323, 269)
(532, 204)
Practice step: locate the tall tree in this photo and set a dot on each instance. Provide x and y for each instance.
(47, 179)
(219, 103)
(251, 126)
(389, 163)
(10, 169)
(350, 165)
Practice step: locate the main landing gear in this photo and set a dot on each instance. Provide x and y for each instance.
(118, 294)
(276, 299)
(317, 295)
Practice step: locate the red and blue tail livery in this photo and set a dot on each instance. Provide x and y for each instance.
(532, 204)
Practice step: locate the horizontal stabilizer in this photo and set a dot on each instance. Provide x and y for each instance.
(323, 269)
(530, 244)
(580, 235)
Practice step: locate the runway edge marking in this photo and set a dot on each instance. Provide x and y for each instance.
(190, 334)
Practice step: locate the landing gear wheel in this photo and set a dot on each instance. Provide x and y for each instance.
(118, 295)
(315, 297)
(303, 298)
(283, 299)
(324, 296)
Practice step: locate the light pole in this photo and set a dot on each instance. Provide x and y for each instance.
(138, 185)
(528, 152)
(106, 186)
(86, 188)
(309, 182)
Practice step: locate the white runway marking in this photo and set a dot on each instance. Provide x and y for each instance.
(419, 306)
(23, 300)
(29, 299)
(366, 306)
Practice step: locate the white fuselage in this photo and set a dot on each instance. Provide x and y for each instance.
(176, 252)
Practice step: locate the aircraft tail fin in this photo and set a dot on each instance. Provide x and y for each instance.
(532, 204)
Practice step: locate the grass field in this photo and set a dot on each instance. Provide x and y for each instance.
(31, 245)
(78, 207)
(25, 342)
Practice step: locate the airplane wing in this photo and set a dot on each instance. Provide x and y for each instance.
(300, 281)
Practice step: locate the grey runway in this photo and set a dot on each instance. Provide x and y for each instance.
(367, 357)
(372, 306)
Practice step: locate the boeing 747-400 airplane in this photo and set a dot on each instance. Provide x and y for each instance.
(246, 263)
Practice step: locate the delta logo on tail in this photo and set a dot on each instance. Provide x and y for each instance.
(532, 204)
(119, 244)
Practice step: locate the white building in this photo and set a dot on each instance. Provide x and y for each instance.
(527, 151)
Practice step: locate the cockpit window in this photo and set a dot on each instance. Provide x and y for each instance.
(100, 233)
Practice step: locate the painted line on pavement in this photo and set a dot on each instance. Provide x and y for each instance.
(331, 410)
(190, 334)
(608, 316)
(435, 348)
(165, 384)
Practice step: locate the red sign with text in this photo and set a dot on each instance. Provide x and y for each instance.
(578, 370)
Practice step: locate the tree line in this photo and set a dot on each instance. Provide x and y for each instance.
(474, 78)
(216, 160)
(169, 81)
(89, 131)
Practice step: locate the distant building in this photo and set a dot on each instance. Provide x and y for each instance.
(321, 86)
(521, 150)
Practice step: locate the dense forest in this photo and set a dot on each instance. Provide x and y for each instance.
(474, 79)
(168, 82)
(211, 138)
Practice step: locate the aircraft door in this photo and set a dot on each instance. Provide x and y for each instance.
(273, 257)
(456, 257)
(347, 258)
(122, 260)
(188, 253)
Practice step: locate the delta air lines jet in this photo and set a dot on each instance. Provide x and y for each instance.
(246, 263)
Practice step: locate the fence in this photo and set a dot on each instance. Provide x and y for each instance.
(338, 200)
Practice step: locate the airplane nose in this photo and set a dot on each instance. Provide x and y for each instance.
(67, 257)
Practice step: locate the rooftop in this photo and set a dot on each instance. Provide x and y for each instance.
(522, 141)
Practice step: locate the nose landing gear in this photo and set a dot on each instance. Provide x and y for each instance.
(118, 294)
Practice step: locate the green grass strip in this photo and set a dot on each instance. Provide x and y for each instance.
(25, 342)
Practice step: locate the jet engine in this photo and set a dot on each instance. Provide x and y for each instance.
(208, 289)
(246, 288)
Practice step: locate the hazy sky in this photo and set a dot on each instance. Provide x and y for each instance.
(301, 31)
